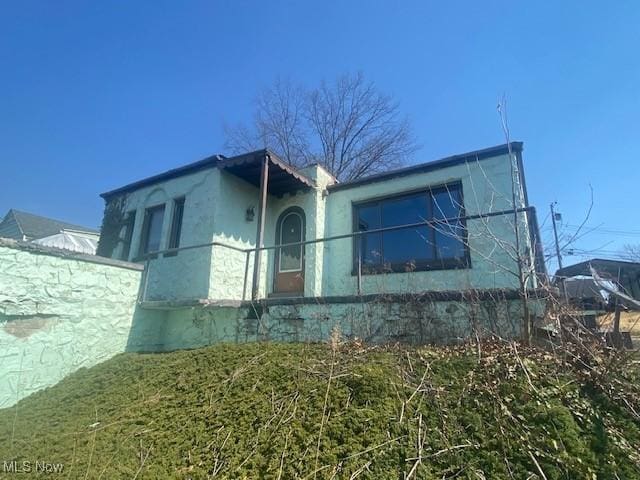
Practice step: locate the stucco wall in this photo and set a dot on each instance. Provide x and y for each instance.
(486, 186)
(215, 210)
(187, 274)
(230, 227)
(59, 312)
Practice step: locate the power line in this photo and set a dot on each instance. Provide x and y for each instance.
(600, 229)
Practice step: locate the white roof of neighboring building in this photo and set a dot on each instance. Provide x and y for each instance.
(73, 241)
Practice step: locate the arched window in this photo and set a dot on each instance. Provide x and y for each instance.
(289, 259)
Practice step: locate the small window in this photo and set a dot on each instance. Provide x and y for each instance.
(176, 224)
(152, 230)
(420, 247)
(129, 223)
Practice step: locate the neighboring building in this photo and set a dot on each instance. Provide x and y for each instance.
(619, 279)
(584, 293)
(28, 227)
(460, 211)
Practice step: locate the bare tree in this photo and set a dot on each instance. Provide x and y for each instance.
(631, 253)
(348, 126)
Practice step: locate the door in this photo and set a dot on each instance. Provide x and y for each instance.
(289, 260)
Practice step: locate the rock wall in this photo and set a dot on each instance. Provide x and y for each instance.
(59, 312)
(415, 321)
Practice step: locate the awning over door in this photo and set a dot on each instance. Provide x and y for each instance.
(282, 177)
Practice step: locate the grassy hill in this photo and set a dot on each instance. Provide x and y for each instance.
(311, 411)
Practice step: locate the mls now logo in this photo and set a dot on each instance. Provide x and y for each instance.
(26, 466)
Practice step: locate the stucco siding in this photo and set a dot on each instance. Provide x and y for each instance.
(486, 188)
(231, 227)
(215, 211)
(186, 274)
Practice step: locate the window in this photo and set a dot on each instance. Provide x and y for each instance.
(438, 245)
(152, 229)
(176, 224)
(129, 223)
(290, 258)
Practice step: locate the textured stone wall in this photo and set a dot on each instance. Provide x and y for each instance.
(59, 312)
(412, 321)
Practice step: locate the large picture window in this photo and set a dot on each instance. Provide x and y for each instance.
(436, 246)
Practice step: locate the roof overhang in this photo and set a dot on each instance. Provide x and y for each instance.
(209, 162)
(612, 268)
(282, 177)
(474, 156)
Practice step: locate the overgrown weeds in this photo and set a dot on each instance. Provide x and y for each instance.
(341, 410)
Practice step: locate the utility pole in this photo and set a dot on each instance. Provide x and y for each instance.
(556, 216)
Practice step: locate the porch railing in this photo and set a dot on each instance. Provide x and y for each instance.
(150, 256)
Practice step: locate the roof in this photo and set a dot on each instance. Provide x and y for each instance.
(209, 162)
(475, 155)
(35, 226)
(249, 163)
(625, 274)
(611, 267)
(282, 179)
(76, 242)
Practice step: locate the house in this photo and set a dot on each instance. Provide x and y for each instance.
(618, 280)
(196, 227)
(247, 248)
(584, 293)
(617, 277)
(28, 227)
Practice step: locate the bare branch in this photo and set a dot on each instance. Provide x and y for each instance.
(348, 126)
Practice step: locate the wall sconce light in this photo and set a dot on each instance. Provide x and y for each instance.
(249, 214)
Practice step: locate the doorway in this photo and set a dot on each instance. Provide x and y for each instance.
(289, 260)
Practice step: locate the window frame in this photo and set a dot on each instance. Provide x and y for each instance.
(283, 217)
(127, 241)
(420, 265)
(144, 239)
(175, 232)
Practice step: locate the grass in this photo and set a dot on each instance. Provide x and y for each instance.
(286, 411)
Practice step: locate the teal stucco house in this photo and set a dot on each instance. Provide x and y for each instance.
(248, 248)
(235, 232)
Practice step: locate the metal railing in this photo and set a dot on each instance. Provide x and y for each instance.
(148, 257)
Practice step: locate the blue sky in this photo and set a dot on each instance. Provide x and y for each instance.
(97, 94)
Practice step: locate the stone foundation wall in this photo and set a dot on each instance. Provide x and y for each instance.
(417, 321)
